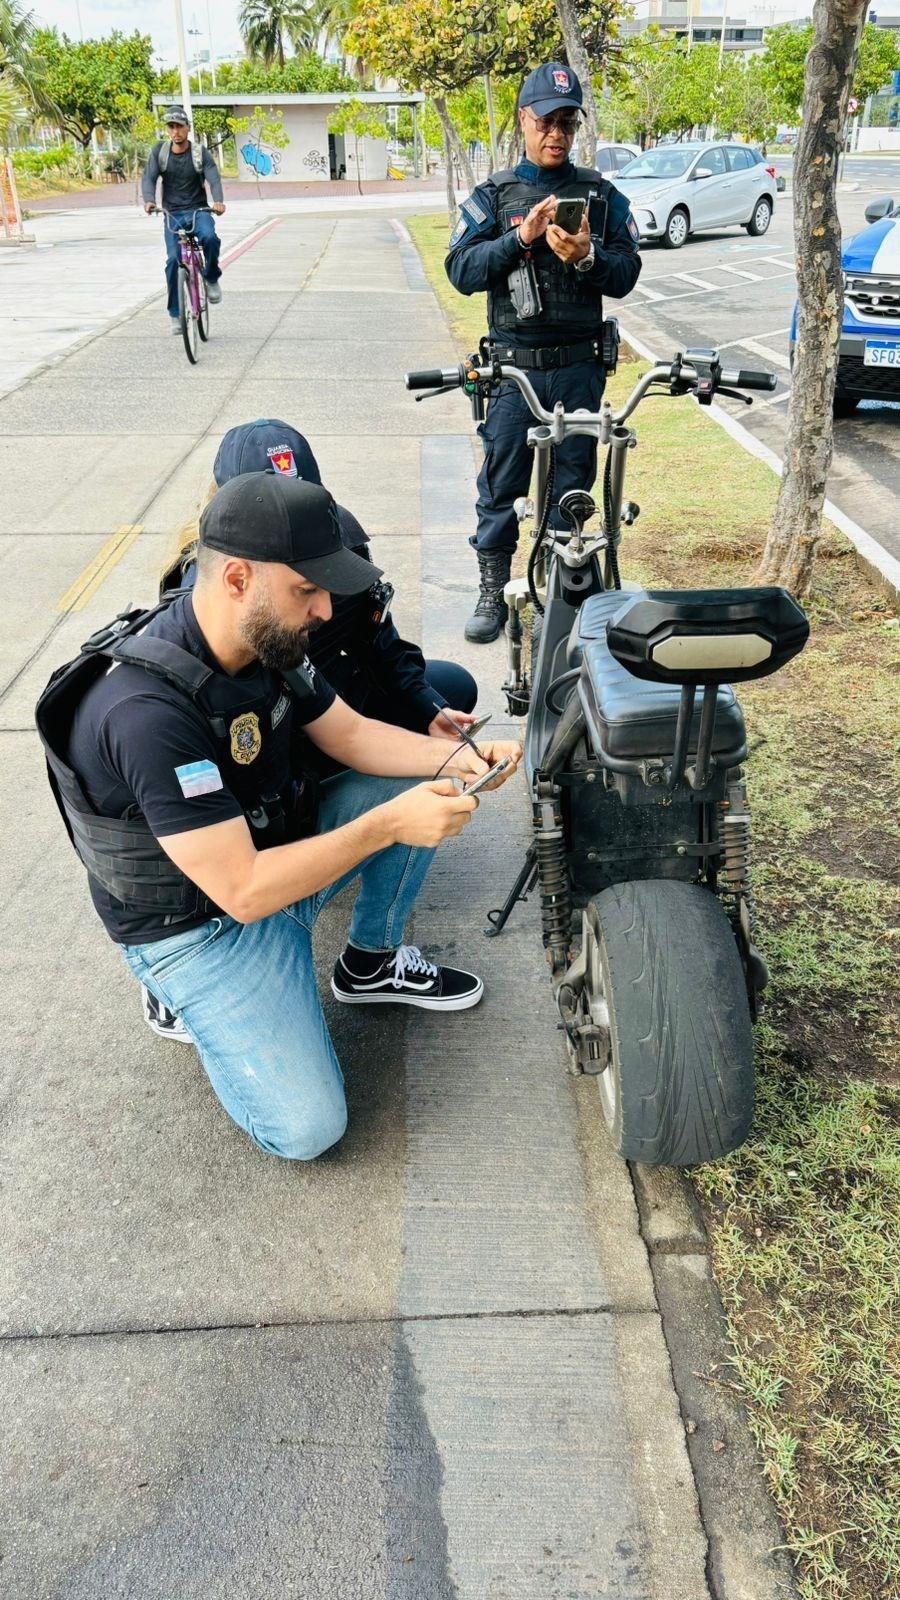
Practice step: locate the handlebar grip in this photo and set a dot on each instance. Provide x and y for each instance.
(436, 379)
(746, 378)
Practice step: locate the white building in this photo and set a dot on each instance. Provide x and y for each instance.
(312, 154)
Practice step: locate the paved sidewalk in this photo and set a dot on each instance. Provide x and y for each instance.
(431, 1364)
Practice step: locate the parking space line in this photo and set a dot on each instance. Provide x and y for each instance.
(700, 282)
(738, 272)
(778, 261)
(649, 294)
(764, 351)
(88, 582)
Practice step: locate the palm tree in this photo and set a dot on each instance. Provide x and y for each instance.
(21, 71)
(266, 24)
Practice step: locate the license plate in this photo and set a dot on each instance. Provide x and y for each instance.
(881, 353)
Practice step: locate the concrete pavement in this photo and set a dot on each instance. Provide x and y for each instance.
(431, 1364)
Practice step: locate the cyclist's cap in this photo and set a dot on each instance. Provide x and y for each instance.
(265, 516)
(178, 114)
(549, 88)
(265, 445)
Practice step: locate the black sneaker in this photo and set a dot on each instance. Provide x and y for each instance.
(405, 978)
(166, 1023)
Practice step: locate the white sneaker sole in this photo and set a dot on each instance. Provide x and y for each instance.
(463, 1002)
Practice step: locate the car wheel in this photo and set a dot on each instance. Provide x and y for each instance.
(677, 229)
(762, 216)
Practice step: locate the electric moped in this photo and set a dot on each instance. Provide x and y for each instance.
(634, 751)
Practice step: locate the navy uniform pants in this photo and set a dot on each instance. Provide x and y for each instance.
(508, 460)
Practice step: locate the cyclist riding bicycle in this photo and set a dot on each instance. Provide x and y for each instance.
(186, 169)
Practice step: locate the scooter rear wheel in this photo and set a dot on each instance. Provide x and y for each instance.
(665, 987)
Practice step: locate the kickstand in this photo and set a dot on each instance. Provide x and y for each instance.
(520, 890)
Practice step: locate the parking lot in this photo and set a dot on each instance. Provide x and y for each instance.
(737, 293)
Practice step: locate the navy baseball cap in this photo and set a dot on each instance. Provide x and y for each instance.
(265, 445)
(550, 88)
(267, 516)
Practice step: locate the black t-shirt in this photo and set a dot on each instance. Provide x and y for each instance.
(141, 748)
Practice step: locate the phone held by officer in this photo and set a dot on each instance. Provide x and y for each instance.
(546, 240)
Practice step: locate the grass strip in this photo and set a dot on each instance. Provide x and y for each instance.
(805, 1219)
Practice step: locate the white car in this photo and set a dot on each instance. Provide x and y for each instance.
(679, 189)
(611, 158)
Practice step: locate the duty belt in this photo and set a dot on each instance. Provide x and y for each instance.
(549, 357)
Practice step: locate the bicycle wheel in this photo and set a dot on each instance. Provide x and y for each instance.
(186, 315)
(203, 316)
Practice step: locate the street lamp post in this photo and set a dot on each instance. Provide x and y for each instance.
(195, 35)
(182, 61)
(212, 53)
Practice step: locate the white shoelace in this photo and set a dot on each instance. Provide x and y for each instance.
(409, 958)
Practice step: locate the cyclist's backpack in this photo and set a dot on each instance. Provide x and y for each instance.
(162, 156)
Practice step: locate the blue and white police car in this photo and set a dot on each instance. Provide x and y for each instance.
(869, 349)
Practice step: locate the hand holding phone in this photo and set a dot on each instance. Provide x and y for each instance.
(488, 777)
(569, 214)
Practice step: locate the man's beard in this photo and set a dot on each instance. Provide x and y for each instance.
(277, 647)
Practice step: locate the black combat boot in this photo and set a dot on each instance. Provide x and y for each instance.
(490, 612)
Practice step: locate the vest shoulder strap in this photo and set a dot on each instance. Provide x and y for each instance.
(164, 659)
(588, 175)
(162, 156)
(502, 180)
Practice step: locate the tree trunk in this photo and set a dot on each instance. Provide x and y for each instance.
(578, 61)
(797, 524)
(453, 140)
(440, 106)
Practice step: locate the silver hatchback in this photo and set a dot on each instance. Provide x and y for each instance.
(679, 189)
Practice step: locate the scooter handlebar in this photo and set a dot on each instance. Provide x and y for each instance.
(439, 378)
(747, 378)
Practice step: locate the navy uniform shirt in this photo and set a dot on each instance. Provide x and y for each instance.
(141, 748)
(482, 253)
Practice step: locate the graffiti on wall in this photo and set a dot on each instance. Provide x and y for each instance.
(262, 159)
(316, 162)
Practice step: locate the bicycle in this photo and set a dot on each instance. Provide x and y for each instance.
(193, 302)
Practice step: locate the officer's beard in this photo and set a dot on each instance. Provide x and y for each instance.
(279, 648)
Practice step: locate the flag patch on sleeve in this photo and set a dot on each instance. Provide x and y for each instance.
(633, 228)
(199, 777)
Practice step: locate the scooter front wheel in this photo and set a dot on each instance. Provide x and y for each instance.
(666, 994)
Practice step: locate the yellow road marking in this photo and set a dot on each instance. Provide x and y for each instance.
(88, 582)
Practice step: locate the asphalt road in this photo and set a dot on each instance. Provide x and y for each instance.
(737, 293)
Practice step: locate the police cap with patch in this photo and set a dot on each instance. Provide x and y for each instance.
(265, 516)
(547, 89)
(265, 445)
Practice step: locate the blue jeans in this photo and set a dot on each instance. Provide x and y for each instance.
(205, 229)
(247, 992)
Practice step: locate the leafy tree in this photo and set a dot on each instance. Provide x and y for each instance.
(96, 83)
(788, 47)
(360, 120)
(879, 57)
(21, 66)
(266, 25)
(649, 96)
(262, 127)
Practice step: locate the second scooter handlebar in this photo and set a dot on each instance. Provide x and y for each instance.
(439, 378)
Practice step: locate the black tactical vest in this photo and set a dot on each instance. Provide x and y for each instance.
(121, 853)
(572, 311)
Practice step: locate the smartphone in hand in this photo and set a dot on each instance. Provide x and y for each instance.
(488, 777)
(569, 214)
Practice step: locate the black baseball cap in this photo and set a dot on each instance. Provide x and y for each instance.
(177, 114)
(265, 445)
(265, 516)
(550, 88)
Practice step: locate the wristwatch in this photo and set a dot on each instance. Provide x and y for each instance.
(586, 262)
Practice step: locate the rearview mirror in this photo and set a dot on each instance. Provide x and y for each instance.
(703, 172)
(882, 207)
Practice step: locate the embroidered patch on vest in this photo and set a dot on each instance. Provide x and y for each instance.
(199, 777)
(246, 739)
(474, 210)
(280, 709)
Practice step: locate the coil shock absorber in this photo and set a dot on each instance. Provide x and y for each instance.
(553, 874)
(734, 823)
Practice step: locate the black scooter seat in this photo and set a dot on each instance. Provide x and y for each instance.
(630, 718)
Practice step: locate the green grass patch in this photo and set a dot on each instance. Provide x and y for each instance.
(805, 1219)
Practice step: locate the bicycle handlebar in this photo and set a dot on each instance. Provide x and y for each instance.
(440, 378)
(748, 378)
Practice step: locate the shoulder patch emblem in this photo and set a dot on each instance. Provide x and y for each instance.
(199, 777)
(459, 230)
(474, 210)
(246, 739)
(280, 709)
(633, 228)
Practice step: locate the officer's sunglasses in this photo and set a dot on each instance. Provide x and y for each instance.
(566, 124)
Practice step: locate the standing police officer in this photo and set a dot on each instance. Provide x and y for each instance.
(545, 311)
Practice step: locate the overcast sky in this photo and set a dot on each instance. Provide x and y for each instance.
(157, 17)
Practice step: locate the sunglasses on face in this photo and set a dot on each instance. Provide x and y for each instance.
(566, 124)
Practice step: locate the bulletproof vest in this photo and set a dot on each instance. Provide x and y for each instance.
(121, 853)
(162, 156)
(571, 310)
